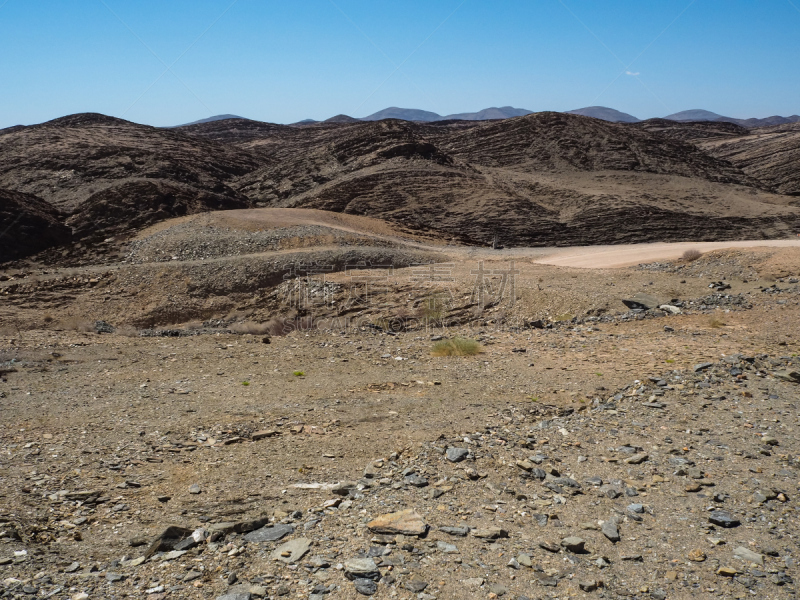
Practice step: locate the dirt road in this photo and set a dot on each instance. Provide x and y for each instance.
(611, 257)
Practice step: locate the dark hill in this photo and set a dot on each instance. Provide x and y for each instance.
(70, 161)
(540, 179)
(769, 154)
(28, 225)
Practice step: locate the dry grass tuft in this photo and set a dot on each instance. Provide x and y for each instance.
(691, 255)
(716, 323)
(456, 347)
(81, 324)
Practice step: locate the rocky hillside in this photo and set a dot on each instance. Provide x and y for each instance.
(543, 178)
(770, 154)
(113, 175)
(29, 225)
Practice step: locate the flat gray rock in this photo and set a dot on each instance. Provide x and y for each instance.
(292, 551)
(457, 531)
(748, 555)
(457, 454)
(235, 596)
(723, 519)
(270, 534)
(361, 568)
(611, 531)
(366, 587)
(573, 544)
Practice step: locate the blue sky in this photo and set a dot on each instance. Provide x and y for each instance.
(284, 61)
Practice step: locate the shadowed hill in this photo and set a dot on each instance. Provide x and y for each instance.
(28, 225)
(769, 154)
(78, 163)
(539, 179)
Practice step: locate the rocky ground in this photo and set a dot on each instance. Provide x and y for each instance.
(594, 448)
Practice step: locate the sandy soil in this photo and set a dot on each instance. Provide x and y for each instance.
(626, 255)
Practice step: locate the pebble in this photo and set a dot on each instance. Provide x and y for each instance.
(456, 454)
(490, 533)
(748, 555)
(415, 585)
(366, 587)
(270, 534)
(574, 544)
(723, 519)
(610, 530)
(292, 551)
(416, 480)
(404, 522)
(361, 568)
(194, 489)
(235, 596)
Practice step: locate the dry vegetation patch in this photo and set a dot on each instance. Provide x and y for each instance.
(456, 347)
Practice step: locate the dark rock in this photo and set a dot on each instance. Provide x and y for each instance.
(456, 454)
(574, 544)
(610, 530)
(270, 534)
(416, 480)
(415, 585)
(723, 519)
(168, 539)
(366, 587)
(457, 531)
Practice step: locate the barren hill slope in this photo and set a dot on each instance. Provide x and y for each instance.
(770, 154)
(28, 225)
(543, 179)
(539, 179)
(92, 166)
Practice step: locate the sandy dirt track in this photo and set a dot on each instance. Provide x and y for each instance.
(610, 257)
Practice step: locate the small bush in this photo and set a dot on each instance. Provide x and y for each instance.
(432, 308)
(456, 347)
(298, 373)
(691, 255)
(716, 323)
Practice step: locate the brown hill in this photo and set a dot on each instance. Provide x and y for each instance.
(769, 154)
(693, 131)
(540, 179)
(82, 163)
(28, 225)
(543, 179)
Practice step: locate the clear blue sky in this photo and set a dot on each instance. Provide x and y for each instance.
(284, 61)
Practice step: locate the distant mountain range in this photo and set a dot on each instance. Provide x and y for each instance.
(211, 120)
(706, 115)
(506, 112)
(605, 114)
(413, 114)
